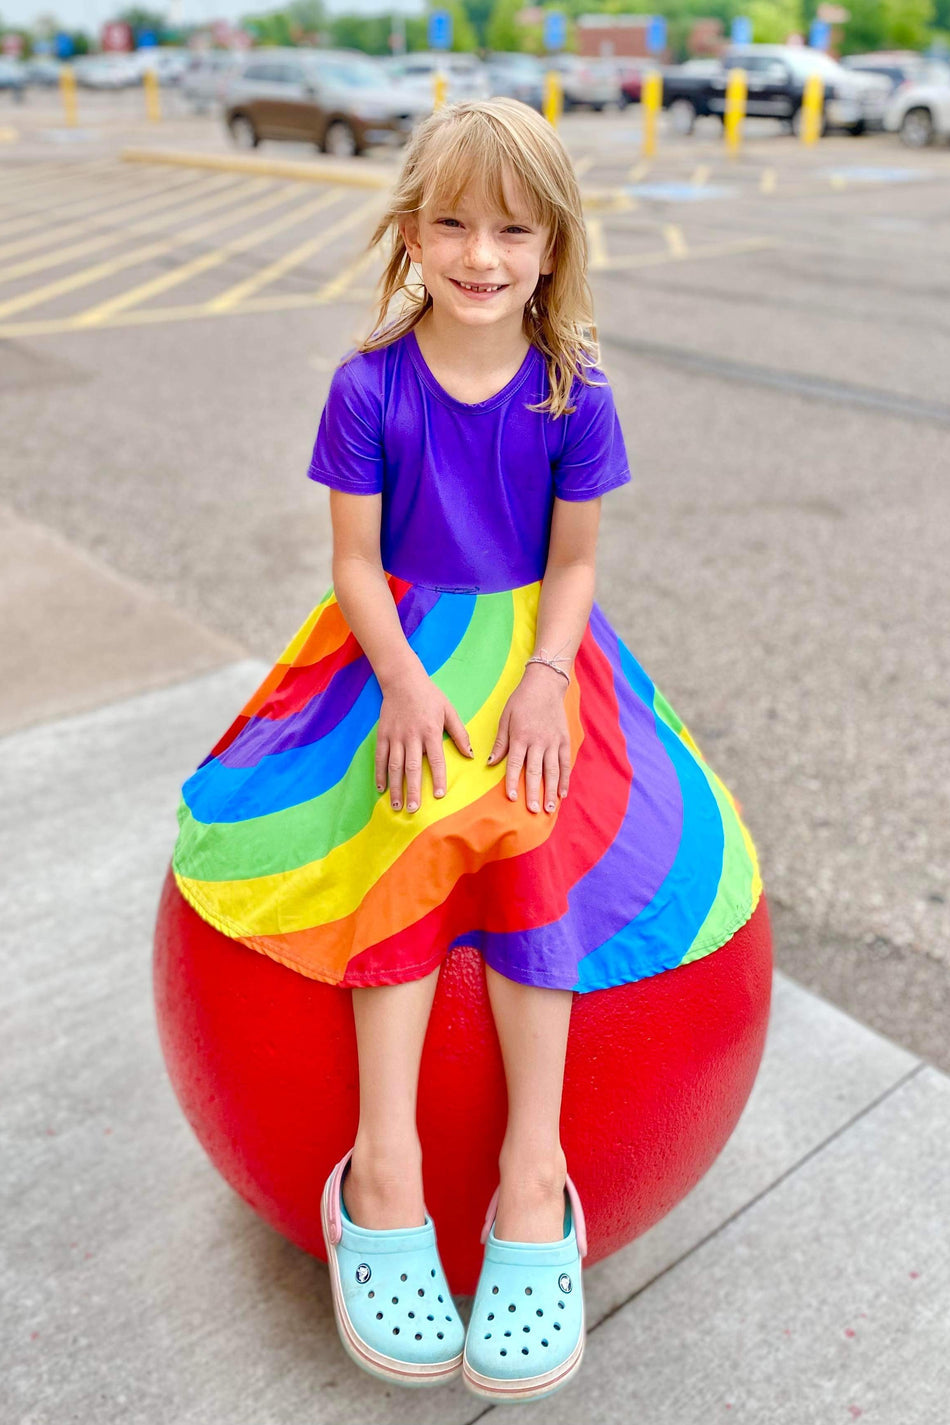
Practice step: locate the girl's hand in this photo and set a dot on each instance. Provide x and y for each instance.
(411, 722)
(533, 728)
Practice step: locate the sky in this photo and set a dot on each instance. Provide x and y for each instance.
(91, 15)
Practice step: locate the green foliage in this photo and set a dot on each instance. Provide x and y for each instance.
(774, 20)
(907, 23)
(503, 31)
(369, 33)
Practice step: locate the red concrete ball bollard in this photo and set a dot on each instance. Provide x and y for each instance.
(263, 1062)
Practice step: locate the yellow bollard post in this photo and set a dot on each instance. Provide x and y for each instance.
(153, 107)
(553, 97)
(813, 102)
(67, 88)
(736, 92)
(651, 99)
(440, 88)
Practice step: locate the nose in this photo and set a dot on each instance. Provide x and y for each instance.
(480, 251)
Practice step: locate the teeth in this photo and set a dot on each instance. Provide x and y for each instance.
(474, 287)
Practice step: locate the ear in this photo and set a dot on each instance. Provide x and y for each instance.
(409, 228)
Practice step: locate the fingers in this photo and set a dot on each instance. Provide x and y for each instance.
(382, 761)
(396, 765)
(457, 730)
(413, 774)
(551, 762)
(534, 765)
(437, 763)
(551, 767)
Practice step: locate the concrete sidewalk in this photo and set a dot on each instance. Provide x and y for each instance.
(805, 1279)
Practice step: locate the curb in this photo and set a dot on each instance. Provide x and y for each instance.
(262, 167)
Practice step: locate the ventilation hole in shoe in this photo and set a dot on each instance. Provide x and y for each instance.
(395, 1301)
(379, 1316)
(421, 1292)
(527, 1291)
(487, 1335)
(432, 1273)
(443, 1303)
(430, 1318)
(526, 1328)
(561, 1305)
(402, 1277)
(494, 1291)
(448, 1318)
(507, 1333)
(412, 1313)
(395, 1330)
(511, 1307)
(539, 1312)
(371, 1295)
(440, 1334)
(418, 1335)
(503, 1352)
(544, 1343)
(557, 1325)
(524, 1350)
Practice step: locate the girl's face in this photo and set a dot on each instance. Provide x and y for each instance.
(479, 265)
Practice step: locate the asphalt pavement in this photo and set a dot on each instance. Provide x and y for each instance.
(774, 329)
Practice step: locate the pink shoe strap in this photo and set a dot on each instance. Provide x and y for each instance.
(577, 1213)
(334, 1194)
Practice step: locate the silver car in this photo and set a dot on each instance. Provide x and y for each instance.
(467, 76)
(592, 83)
(205, 80)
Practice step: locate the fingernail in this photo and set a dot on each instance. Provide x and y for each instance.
(511, 796)
(471, 752)
(550, 806)
(379, 786)
(395, 806)
(534, 806)
(440, 791)
(490, 756)
(413, 805)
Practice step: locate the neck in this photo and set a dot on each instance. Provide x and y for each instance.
(480, 348)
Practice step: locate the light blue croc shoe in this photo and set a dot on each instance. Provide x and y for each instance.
(392, 1303)
(526, 1333)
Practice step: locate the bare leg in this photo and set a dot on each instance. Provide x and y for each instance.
(532, 1027)
(383, 1187)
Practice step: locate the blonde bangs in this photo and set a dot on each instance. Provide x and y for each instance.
(498, 152)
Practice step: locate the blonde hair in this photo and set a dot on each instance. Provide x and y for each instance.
(477, 145)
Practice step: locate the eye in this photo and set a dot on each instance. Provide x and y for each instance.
(447, 220)
(515, 228)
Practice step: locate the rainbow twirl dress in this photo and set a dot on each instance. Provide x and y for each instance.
(286, 846)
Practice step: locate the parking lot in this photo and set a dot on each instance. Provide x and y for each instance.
(775, 330)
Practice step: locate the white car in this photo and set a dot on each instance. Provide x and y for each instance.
(920, 112)
(205, 80)
(467, 76)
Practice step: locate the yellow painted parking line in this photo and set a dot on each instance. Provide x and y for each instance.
(768, 180)
(638, 172)
(169, 211)
(657, 259)
(332, 291)
(359, 174)
(701, 174)
(237, 294)
(88, 275)
(837, 181)
(136, 295)
(38, 177)
(8, 135)
(581, 165)
(595, 243)
(675, 240)
(38, 219)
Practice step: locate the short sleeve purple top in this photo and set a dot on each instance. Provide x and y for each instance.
(468, 489)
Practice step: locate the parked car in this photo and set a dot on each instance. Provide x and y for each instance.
(776, 76)
(900, 67)
(520, 76)
(629, 71)
(341, 100)
(920, 112)
(590, 83)
(168, 62)
(205, 79)
(42, 72)
(104, 71)
(415, 72)
(13, 78)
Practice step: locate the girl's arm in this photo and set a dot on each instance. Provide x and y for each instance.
(361, 587)
(567, 590)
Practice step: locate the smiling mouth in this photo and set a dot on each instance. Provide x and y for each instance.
(479, 286)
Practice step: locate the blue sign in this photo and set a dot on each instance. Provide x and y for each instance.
(440, 30)
(64, 45)
(819, 35)
(741, 32)
(555, 30)
(656, 34)
(147, 39)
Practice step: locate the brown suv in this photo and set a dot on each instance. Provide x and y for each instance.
(341, 100)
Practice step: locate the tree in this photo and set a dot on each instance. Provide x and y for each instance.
(907, 23)
(774, 20)
(503, 31)
(865, 29)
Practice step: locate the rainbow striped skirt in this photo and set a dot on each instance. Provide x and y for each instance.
(285, 844)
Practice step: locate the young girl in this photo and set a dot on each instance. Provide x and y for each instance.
(567, 828)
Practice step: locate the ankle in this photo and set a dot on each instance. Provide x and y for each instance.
(532, 1172)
